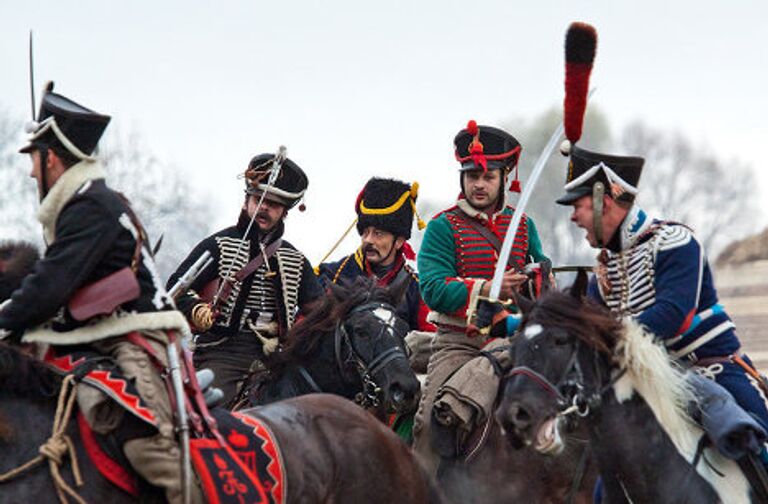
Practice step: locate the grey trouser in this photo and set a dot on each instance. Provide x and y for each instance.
(155, 458)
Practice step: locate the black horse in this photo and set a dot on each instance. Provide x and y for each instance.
(333, 451)
(351, 345)
(575, 362)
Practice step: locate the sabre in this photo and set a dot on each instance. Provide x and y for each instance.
(506, 247)
(277, 164)
(580, 45)
(31, 75)
(183, 283)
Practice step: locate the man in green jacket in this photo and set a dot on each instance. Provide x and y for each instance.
(456, 263)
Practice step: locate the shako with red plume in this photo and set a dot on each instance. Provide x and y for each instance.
(580, 47)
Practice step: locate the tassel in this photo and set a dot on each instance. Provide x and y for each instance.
(420, 223)
(515, 185)
(408, 251)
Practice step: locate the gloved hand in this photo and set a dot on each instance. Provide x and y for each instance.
(212, 395)
(490, 314)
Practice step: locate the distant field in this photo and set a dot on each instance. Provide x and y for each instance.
(743, 290)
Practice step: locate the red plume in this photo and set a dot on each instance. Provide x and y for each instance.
(472, 127)
(580, 45)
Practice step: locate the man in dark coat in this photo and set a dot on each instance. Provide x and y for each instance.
(385, 209)
(239, 322)
(94, 239)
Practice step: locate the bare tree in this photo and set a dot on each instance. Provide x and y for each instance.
(692, 185)
(161, 195)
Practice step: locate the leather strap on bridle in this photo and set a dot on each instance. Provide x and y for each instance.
(489, 236)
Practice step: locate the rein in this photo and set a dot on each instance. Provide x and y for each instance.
(580, 402)
(371, 394)
(57, 446)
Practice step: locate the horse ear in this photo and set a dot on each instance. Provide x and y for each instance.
(398, 288)
(17, 259)
(579, 288)
(525, 304)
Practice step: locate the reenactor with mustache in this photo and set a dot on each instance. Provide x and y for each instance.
(385, 209)
(270, 281)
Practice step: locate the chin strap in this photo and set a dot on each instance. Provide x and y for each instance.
(598, 191)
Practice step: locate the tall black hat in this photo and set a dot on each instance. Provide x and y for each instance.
(64, 123)
(288, 188)
(619, 175)
(387, 204)
(487, 148)
(589, 172)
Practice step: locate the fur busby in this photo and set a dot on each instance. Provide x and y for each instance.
(620, 175)
(65, 124)
(387, 204)
(289, 187)
(16, 261)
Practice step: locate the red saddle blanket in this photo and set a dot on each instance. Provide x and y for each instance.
(248, 468)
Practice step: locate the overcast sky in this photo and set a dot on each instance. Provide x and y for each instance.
(356, 89)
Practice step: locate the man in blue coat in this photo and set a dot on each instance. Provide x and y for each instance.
(657, 272)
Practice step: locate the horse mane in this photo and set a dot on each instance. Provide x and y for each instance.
(649, 370)
(25, 376)
(583, 318)
(305, 336)
(658, 380)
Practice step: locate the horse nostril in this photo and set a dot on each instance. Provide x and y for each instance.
(519, 416)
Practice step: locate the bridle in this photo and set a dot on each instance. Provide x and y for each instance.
(372, 393)
(570, 392)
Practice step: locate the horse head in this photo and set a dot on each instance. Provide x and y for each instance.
(369, 340)
(561, 356)
(16, 262)
(352, 343)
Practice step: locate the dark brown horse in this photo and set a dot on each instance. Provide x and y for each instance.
(575, 361)
(333, 450)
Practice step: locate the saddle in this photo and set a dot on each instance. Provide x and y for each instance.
(235, 457)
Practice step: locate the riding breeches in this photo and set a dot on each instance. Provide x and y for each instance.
(156, 458)
(450, 351)
(744, 388)
(232, 361)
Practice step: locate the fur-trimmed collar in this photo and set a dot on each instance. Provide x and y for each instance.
(62, 191)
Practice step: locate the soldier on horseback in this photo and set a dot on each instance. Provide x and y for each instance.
(243, 304)
(385, 210)
(657, 272)
(96, 289)
(456, 263)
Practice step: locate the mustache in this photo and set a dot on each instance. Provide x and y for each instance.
(370, 248)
